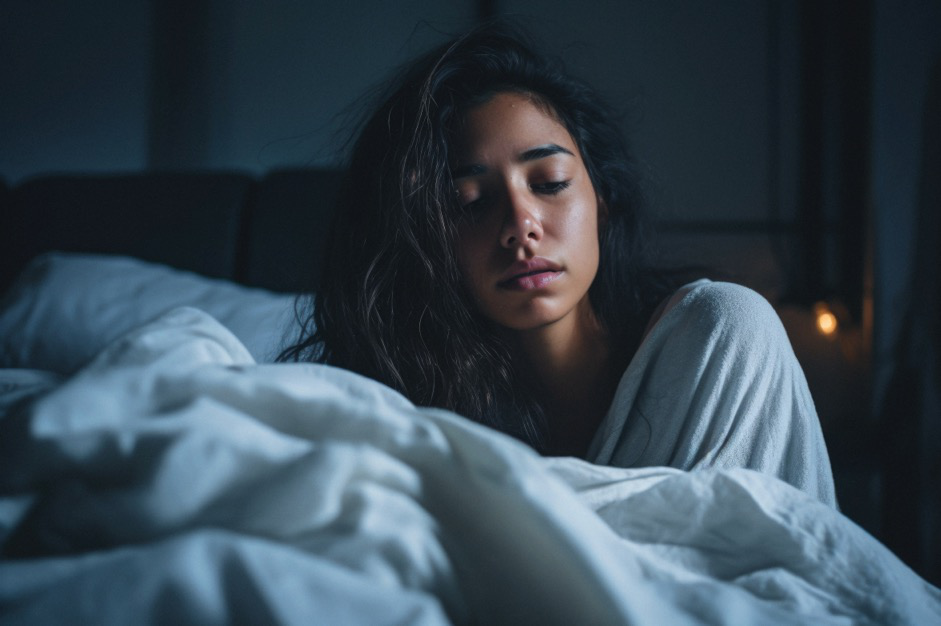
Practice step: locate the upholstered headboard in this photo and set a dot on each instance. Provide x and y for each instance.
(265, 232)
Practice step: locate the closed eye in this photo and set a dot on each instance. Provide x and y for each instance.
(475, 206)
(479, 204)
(552, 188)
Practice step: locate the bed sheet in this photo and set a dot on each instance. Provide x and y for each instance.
(175, 480)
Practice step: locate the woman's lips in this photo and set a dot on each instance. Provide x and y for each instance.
(532, 274)
(535, 280)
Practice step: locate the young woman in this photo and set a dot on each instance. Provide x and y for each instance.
(488, 257)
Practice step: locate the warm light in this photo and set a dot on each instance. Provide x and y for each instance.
(826, 320)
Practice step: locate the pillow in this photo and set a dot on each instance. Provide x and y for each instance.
(64, 308)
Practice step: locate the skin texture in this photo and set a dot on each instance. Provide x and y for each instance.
(530, 205)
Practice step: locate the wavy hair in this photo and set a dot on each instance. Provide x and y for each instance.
(392, 305)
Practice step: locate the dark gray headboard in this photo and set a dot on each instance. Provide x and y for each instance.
(261, 231)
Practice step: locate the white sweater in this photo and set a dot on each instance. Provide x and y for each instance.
(715, 384)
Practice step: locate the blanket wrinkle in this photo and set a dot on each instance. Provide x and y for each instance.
(299, 493)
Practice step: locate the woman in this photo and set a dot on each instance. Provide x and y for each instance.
(488, 257)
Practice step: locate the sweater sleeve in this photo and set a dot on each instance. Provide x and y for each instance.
(715, 384)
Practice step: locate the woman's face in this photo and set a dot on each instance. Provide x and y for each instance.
(528, 238)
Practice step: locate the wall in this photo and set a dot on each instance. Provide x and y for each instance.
(906, 209)
(75, 80)
(278, 79)
(906, 45)
(110, 85)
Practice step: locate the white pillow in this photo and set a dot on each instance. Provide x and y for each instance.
(64, 308)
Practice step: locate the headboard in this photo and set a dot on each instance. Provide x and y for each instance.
(264, 232)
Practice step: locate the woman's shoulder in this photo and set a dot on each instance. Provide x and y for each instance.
(715, 304)
(724, 299)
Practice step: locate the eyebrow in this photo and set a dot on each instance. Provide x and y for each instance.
(533, 154)
(541, 152)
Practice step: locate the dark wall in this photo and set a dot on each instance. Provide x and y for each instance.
(276, 80)
(906, 45)
(75, 80)
(906, 196)
(127, 85)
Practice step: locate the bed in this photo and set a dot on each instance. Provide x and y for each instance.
(156, 466)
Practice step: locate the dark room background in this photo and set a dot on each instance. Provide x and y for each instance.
(791, 145)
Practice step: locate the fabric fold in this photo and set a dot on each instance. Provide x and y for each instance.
(174, 480)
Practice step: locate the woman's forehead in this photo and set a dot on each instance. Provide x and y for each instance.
(510, 122)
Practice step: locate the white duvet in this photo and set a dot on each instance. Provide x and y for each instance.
(173, 480)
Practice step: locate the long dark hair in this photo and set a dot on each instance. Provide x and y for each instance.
(392, 306)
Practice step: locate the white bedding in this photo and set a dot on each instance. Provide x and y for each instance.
(65, 307)
(175, 481)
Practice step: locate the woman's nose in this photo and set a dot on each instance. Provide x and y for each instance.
(521, 224)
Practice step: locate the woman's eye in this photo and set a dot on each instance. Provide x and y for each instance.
(551, 188)
(475, 206)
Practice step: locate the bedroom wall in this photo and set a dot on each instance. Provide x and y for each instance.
(276, 79)
(906, 209)
(906, 46)
(109, 85)
(75, 82)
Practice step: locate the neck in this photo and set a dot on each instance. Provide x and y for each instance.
(571, 366)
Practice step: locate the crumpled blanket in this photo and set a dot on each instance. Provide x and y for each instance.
(175, 481)
(715, 385)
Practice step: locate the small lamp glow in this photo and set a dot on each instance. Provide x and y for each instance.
(826, 320)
